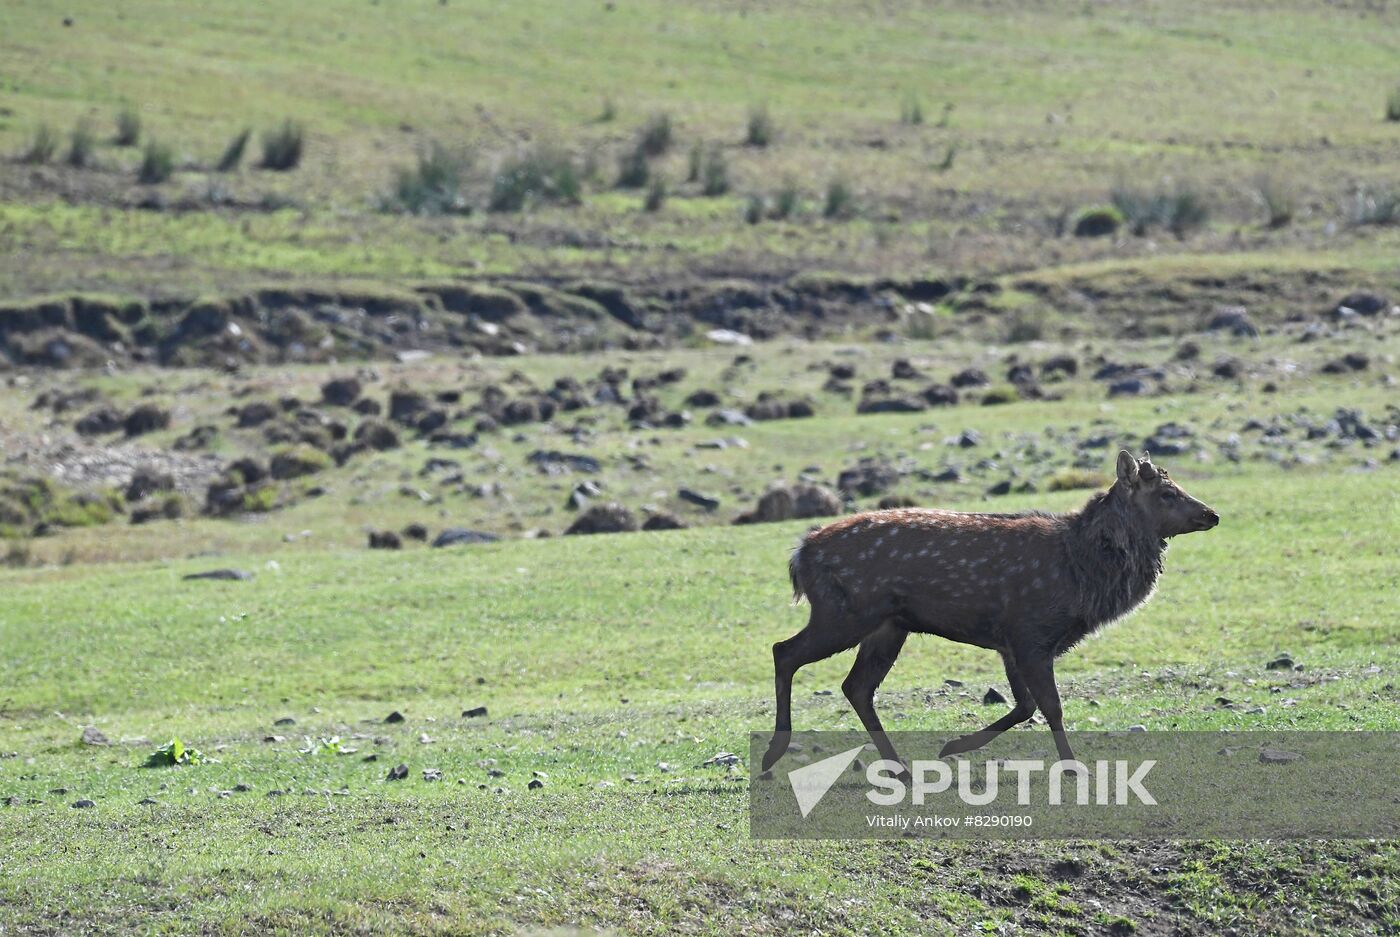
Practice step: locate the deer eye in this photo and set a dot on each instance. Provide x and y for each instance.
(1170, 495)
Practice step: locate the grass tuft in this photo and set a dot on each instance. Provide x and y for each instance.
(282, 146)
(714, 173)
(157, 163)
(911, 112)
(41, 146)
(1374, 208)
(1392, 104)
(657, 135)
(788, 200)
(1075, 479)
(755, 209)
(434, 185)
(233, 153)
(840, 199)
(633, 168)
(128, 127)
(82, 147)
(761, 130)
(538, 175)
(608, 112)
(656, 194)
(1180, 209)
(1278, 199)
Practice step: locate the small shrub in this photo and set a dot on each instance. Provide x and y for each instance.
(1098, 221)
(541, 174)
(1187, 210)
(761, 130)
(840, 199)
(755, 209)
(788, 200)
(1277, 198)
(714, 174)
(82, 147)
(1074, 479)
(997, 396)
(41, 147)
(656, 194)
(282, 146)
(633, 169)
(233, 153)
(911, 112)
(1179, 210)
(1374, 208)
(433, 186)
(656, 136)
(157, 163)
(128, 127)
(609, 111)
(1392, 104)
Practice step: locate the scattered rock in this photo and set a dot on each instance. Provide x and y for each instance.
(397, 773)
(970, 377)
(993, 697)
(234, 575)
(1277, 756)
(691, 496)
(610, 518)
(1282, 662)
(394, 717)
(1233, 319)
(458, 535)
(476, 712)
(93, 736)
(341, 392)
(384, 540)
(868, 477)
(535, 784)
(663, 521)
(432, 774)
(146, 418)
(83, 804)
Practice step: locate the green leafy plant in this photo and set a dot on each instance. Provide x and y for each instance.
(173, 753)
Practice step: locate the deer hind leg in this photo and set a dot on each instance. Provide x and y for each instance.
(826, 634)
(1023, 710)
(1039, 673)
(873, 661)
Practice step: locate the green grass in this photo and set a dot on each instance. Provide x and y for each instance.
(601, 658)
(539, 70)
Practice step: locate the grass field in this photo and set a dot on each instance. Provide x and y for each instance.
(1248, 141)
(1029, 114)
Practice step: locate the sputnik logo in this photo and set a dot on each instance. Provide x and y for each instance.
(810, 784)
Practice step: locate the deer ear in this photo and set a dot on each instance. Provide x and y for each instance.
(1127, 468)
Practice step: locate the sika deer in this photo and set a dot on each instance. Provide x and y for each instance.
(1028, 586)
